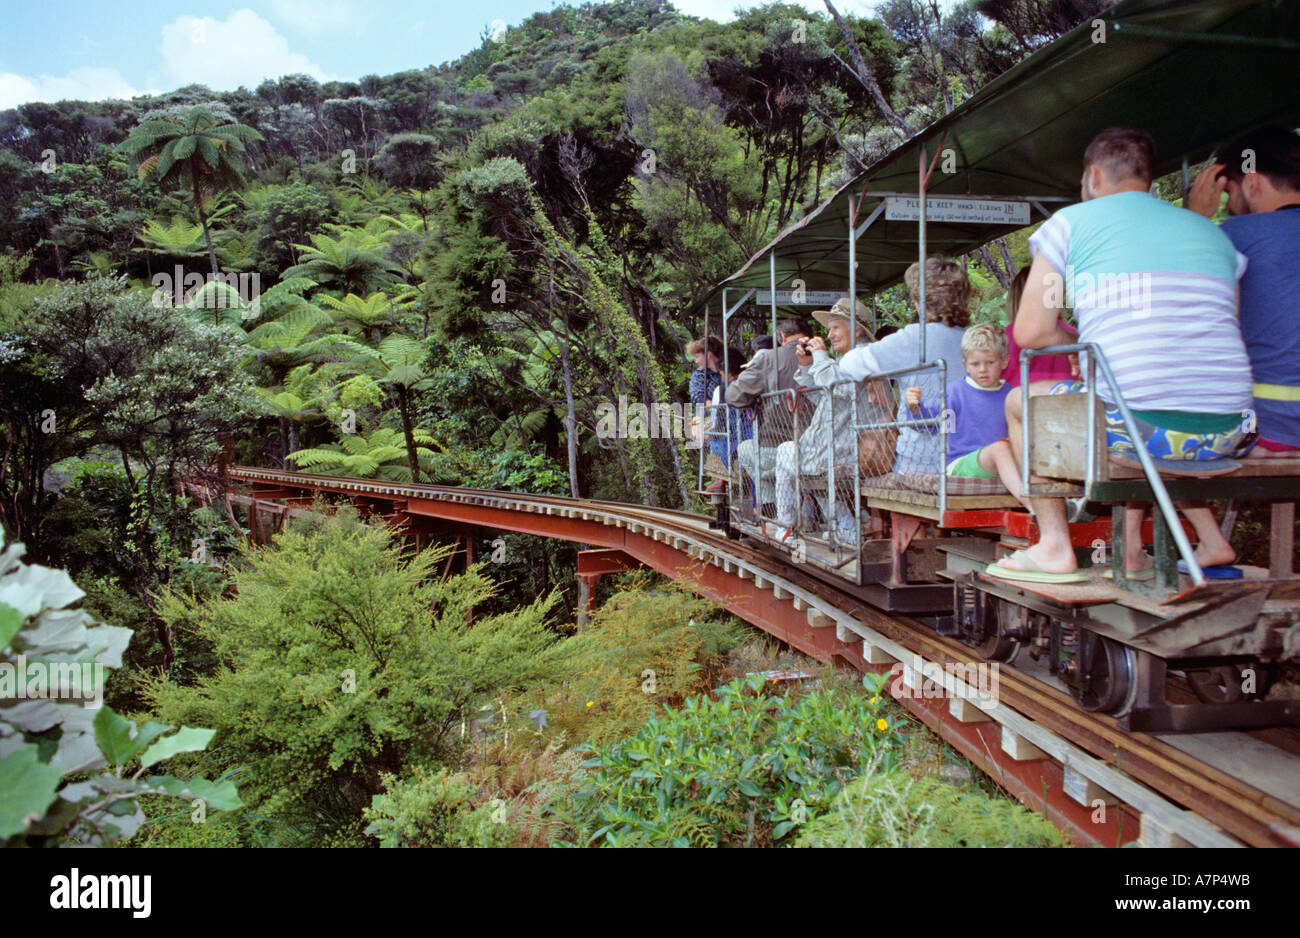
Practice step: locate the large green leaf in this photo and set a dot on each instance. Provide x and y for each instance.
(220, 796)
(26, 790)
(11, 620)
(186, 739)
(113, 734)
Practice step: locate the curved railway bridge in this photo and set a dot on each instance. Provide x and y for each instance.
(1098, 783)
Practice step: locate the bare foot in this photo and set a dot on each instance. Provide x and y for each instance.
(1047, 561)
(1146, 563)
(1214, 558)
(1136, 563)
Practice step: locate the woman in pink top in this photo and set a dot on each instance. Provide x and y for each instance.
(1041, 367)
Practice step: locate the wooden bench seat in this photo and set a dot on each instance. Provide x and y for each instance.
(899, 499)
(1268, 468)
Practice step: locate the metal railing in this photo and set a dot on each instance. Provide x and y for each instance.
(716, 426)
(812, 447)
(1095, 358)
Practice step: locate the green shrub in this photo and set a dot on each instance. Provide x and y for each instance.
(738, 770)
(895, 810)
(436, 810)
(644, 647)
(335, 670)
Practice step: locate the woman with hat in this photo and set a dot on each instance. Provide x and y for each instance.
(947, 314)
(831, 423)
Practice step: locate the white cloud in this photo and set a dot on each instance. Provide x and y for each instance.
(243, 49)
(317, 17)
(80, 84)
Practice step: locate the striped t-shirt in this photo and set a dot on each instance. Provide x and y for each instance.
(1155, 287)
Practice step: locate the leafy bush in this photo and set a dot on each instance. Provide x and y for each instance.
(736, 770)
(65, 731)
(894, 810)
(644, 647)
(436, 810)
(336, 670)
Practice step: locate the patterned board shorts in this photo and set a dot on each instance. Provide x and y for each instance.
(1163, 443)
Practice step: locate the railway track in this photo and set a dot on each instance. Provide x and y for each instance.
(1081, 742)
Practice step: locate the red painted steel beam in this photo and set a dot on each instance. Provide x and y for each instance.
(741, 597)
(266, 490)
(600, 562)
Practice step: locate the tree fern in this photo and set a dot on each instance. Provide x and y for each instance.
(198, 154)
(382, 455)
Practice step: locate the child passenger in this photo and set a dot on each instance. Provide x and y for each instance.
(976, 422)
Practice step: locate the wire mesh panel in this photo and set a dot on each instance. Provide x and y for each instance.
(923, 421)
(724, 428)
(774, 423)
(814, 449)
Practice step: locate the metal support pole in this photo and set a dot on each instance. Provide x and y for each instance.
(1024, 423)
(943, 434)
(771, 270)
(758, 447)
(853, 273)
(856, 507)
(1092, 443)
(920, 293)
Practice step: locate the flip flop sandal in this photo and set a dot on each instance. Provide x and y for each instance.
(1223, 571)
(1033, 573)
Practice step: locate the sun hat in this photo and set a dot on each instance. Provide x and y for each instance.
(843, 310)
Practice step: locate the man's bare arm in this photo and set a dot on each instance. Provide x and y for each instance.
(1038, 322)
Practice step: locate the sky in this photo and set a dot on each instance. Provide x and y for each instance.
(91, 50)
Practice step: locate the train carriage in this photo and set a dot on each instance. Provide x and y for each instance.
(1193, 74)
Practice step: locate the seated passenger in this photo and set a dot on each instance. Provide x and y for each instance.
(947, 301)
(976, 425)
(1155, 289)
(1265, 226)
(769, 370)
(1041, 367)
(760, 342)
(741, 427)
(707, 375)
(831, 421)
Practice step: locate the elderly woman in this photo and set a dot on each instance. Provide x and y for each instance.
(947, 313)
(831, 421)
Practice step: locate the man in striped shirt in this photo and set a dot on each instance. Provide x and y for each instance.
(1154, 287)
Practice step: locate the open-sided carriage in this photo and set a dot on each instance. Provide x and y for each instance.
(1193, 74)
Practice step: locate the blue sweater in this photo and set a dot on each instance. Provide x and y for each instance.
(978, 417)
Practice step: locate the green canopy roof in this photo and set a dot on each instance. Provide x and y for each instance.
(1194, 73)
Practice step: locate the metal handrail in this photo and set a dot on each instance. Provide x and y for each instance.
(942, 367)
(1097, 357)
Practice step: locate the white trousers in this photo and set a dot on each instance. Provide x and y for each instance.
(787, 466)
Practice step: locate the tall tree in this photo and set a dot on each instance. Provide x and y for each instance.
(199, 155)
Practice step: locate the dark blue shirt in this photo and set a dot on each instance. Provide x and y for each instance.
(1270, 312)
